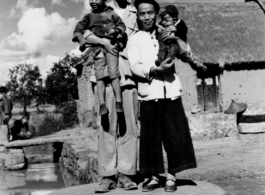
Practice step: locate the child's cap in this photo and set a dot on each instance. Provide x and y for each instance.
(170, 10)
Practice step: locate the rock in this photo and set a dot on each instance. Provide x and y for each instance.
(15, 159)
(16, 166)
(253, 119)
(251, 127)
(39, 153)
(212, 125)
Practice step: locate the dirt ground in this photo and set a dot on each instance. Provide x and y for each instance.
(237, 164)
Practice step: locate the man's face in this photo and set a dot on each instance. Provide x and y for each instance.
(96, 4)
(1, 95)
(147, 16)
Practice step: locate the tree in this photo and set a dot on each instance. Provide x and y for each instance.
(61, 84)
(25, 83)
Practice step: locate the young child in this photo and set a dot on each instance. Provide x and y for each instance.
(172, 48)
(103, 22)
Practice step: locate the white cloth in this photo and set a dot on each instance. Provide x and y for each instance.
(142, 51)
(117, 9)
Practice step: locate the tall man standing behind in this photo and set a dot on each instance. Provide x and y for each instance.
(117, 150)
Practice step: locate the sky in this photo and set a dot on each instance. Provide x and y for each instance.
(39, 32)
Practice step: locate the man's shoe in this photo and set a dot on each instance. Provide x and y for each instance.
(171, 188)
(151, 187)
(103, 110)
(106, 185)
(119, 107)
(126, 183)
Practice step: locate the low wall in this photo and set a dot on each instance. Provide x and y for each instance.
(80, 162)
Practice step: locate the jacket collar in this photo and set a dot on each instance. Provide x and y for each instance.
(105, 9)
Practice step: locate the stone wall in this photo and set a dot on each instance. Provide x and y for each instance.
(188, 78)
(80, 162)
(86, 98)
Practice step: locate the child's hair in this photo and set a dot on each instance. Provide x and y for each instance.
(170, 10)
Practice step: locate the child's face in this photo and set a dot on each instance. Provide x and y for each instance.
(96, 4)
(167, 20)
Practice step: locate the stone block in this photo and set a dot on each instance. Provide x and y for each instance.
(253, 119)
(15, 159)
(205, 126)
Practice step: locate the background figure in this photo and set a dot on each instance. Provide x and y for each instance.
(19, 129)
(6, 107)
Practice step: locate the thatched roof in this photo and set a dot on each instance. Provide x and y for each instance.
(228, 33)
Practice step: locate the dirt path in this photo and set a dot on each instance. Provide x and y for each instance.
(237, 164)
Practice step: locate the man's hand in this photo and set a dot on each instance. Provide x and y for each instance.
(164, 67)
(201, 66)
(83, 45)
(109, 47)
(168, 35)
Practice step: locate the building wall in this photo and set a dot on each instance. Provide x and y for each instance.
(246, 86)
(188, 80)
(86, 98)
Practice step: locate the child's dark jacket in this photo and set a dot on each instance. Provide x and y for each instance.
(182, 30)
(99, 23)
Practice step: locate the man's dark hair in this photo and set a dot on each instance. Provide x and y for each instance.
(152, 2)
(3, 89)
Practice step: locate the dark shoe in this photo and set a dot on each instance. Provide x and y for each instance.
(126, 183)
(151, 187)
(119, 107)
(106, 185)
(103, 110)
(171, 188)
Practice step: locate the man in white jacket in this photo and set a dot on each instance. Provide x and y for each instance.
(162, 114)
